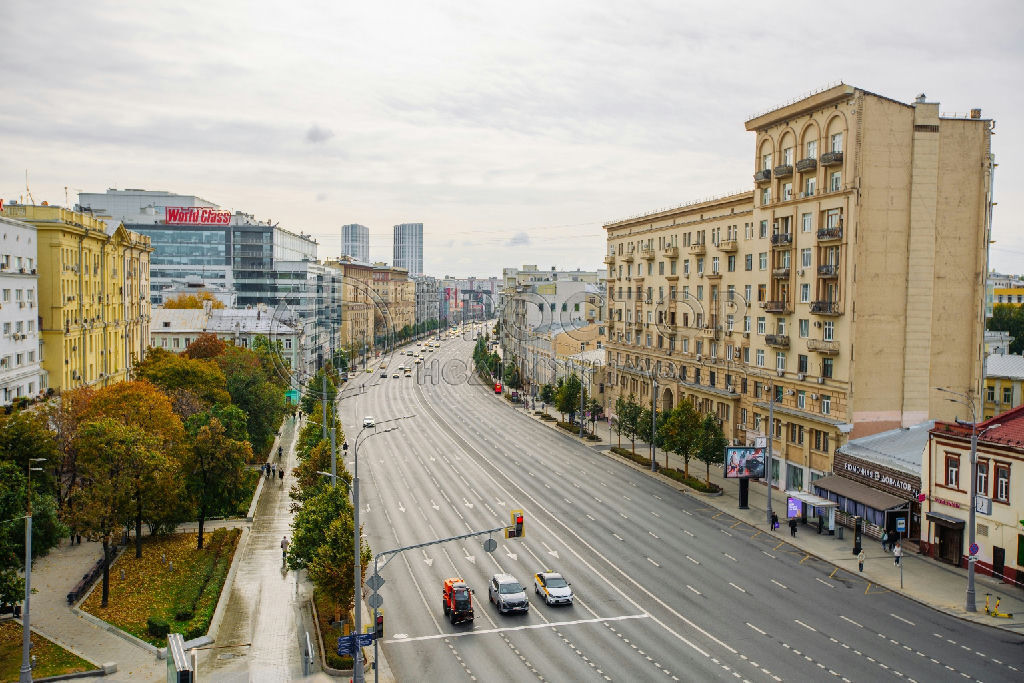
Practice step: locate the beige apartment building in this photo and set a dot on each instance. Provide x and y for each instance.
(355, 329)
(847, 285)
(395, 297)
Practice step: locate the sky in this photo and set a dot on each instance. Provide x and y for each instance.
(512, 131)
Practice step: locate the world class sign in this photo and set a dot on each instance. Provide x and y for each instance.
(196, 215)
(880, 477)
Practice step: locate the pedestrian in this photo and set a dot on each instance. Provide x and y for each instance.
(775, 521)
(792, 527)
(860, 560)
(280, 474)
(284, 548)
(885, 541)
(273, 471)
(897, 553)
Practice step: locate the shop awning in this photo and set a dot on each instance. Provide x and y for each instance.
(872, 498)
(944, 520)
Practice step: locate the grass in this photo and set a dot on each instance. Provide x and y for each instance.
(331, 631)
(672, 473)
(150, 589)
(51, 659)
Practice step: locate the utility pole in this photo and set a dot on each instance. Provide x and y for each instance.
(768, 458)
(25, 673)
(654, 413)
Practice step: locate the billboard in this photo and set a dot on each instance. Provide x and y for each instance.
(196, 215)
(744, 462)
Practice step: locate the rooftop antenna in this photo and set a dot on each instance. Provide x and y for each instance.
(31, 199)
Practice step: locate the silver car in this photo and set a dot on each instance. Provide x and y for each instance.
(507, 593)
(553, 588)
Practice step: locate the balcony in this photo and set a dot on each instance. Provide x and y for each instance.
(829, 270)
(628, 258)
(831, 158)
(781, 273)
(698, 249)
(827, 347)
(778, 340)
(825, 308)
(709, 332)
(610, 259)
(781, 306)
(782, 239)
(671, 252)
(833, 232)
(805, 165)
(763, 176)
(728, 246)
(647, 253)
(783, 171)
(713, 275)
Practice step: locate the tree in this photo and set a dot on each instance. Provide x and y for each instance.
(595, 409)
(66, 415)
(331, 567)
(231, 417)
(314, 392)
(620, 409)
(206, 345)
(255, 392)
(711, 444)
(567, 398)
(146, 470)
(170, 372)
(307, 477)
(547, 393)
(143, 405)
(26, 434)
(310, 521)
(652, 433)
(106, 446)
(214, 471)
(629, 419)
(196, 300)
(680, 433)
(1009, 318)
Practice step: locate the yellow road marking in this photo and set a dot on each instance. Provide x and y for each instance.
(781, 543)
(833, 572)
(717, 516)
(736, 524)
(757, 534)
(806, 557)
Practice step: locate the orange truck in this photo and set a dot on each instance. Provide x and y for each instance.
(457, 599)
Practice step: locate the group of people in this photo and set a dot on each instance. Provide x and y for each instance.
(271, 470)
(891, 543)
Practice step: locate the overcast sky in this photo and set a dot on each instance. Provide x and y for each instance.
(512, 131)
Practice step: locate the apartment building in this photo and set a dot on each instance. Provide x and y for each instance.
(94, 308)
(21, 373)
(845, 287)
(355, 325)
(395, 301)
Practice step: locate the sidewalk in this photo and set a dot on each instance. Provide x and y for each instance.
(927, 581)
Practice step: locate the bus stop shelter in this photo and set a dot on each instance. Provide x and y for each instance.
(827, 507)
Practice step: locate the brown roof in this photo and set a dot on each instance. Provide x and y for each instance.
(873, 498)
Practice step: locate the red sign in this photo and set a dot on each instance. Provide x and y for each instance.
(197, 215)
(949, 503)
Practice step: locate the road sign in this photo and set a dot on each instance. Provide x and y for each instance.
(983, 505)
(489, 545)
(901, 524)
(345, 645)
(365, 639)
(375, 600)
(974, 549)
(375, 581)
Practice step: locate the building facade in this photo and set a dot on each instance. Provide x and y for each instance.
(1004, 384)
(408, 248)
(355, 326)
(21, 371)
(867, 229)
(394, 294)
(94, 309)
(355, 242)
(428, 292)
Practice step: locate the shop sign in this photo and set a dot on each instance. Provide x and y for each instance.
(880, 477)
(947, 503)
(196, 215)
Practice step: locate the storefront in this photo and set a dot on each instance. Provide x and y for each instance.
(949, 537)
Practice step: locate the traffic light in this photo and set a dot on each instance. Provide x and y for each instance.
(378, 631)
(515, 530)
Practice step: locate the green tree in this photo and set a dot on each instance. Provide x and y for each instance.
(711, 444)
(257, 392)
(170, 371)
(26, 434)
(307, 477)
(629, 420)
(547, 393)
(146, 470)
(620, 410)
(567, 398)
(310, 521)
(214, 471)
(331, 566)
(651, 432)
(1009, 318)
(680, 433)
(314, 392)
(233, 418)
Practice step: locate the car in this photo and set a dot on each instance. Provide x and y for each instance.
(368, 421)
(507, 593)
(553, 588)
(396, 375)
(417, 361)
(383, 366)
(408, 353)
(369, 369)
(383, 373)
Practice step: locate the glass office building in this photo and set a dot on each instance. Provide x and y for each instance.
(408, 248)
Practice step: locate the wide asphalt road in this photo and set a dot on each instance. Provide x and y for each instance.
(667, 588)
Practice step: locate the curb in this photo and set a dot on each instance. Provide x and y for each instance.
(99, 623)
(320, 651)
(229, 580)
(251, 514)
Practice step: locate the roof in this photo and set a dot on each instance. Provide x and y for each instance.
(1002, 430)
(178, 320)
(897, 448)
(1007, 365)
(848, 488)
(219, 320)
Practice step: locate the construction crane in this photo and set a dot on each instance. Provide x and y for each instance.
(31, 199)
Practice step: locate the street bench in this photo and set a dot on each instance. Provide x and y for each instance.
(87, 580)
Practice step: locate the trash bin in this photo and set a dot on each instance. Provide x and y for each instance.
(839, 532)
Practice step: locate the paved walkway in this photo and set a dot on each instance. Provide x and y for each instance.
(924, 580)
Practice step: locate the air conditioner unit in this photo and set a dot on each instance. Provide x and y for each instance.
(728, 387)
(801, 376)
(746, 335)
(817, 323)
(781, 373)
(821, 380)
(800, 272)
(814, 397)
(789, 392)
(698, 357)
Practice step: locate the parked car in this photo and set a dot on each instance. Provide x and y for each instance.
(508, 594)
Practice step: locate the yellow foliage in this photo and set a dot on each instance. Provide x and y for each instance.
(185, 300)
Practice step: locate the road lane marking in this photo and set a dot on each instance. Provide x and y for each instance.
(692, 560)
(730, 557)
(779, 584)
(592, 519)
(741, 590)
(688, 532)
(768, 554)
(655, 514)
(809, 628)
(524, 627)
(850, 620)
(905, 621)
(756, 629)
(653, 562)
(820, 580)
(652, 533)
(725, 532)
(694, 589)
(617, 536)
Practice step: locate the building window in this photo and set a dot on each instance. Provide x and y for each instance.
(766, 196)
(805, 292)
(746, 354)
(836, 142)
(991, 389)
(760, 324)
(746, 293)
(731, 263)
(953, 471)
(763, 230)
(762, 260)
(982, 478)
(828, 328)
(835, 181)
(1002, 492)
(1007, 394)
(748, 262)
(787, 191)
(826, 405)
(801, 399)
(812, 149)
(661, 267)
(746, 323)
(826, 368)
(801, 363)
(805, 258)
(780, 361)
(672, 267)
(809, 187)
(760, 358)
(805, 222)
(805, 330)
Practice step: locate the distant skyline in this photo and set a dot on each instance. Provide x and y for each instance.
(512, 132)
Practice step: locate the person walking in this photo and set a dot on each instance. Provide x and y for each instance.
(273, 470)
(792, 527)
(775, 521)
(280, 474)
(897, 553)
(860, 559)
(885, 541)
(284, 548)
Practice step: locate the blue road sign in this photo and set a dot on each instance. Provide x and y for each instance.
(901, 524)
(346, 645)
(974, 549)
(365, 639)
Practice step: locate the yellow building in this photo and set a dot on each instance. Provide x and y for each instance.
(395, 301)
(1004, 383)
(93, 295)
(844, 288)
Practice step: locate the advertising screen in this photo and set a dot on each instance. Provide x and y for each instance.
(794, 508)
(744, 462)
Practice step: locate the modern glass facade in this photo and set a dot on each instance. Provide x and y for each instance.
(355, 242)
(408, 248)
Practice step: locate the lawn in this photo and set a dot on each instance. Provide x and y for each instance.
(180, 596)
(51, 659)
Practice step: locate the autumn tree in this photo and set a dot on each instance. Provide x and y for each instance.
(66, 415)
(25, 434)
(170, 372)
(255, 392)
(206, 345)
(147, 471)
(307, 478)
(331, 566)
(193, 300)
(629, 419)
(101, 506)
(214, 471)
(233, 418)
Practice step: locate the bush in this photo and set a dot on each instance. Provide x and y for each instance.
(183, 612)
(158, 627)
(195, 629)
(593, 437)
(692, 482)
(547, 418)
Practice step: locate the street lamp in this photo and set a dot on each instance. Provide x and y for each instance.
(357, 667)
(965, 399)
(25, 675)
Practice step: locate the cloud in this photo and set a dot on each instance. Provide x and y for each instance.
(520, 239)
(316, 134)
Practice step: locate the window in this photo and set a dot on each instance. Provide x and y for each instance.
(760, 324)
(700, 292)
(982, 478)
(780, 326)
(763, 231)
(805, 292)
(746, 355)
(762, 293)
(766, 196)
(780, 361)
(746, 294)
(672, 267)
(953, 471)
(812, 149)
(748, 262)
(787, 156)
(1007, 394)
(805, 330)
(834, 218)
(7, 329)
(714, 265)
(686, 267)
(766, 162)
(801, 399)
(731, 263)
(746, 323)
(762, 260)
(661, 267)
(805, 222)
(991, 390)
(1002, 492)
(826, 405)
(826, 368)
(810, 186)
(835, 180)
(650, 267)
(805, 258)
(787, 191)
(828, 328)
(801, 363)
(836, 142)
(760, 358)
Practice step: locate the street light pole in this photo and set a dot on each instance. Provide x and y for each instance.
(768, 455)
(25, 673)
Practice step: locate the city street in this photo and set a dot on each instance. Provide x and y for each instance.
(667, 587)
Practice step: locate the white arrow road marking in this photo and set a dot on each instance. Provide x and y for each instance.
(511, 555)
(434, 505)
(568, 501)
(428, 560)
(468, 556)
(626, 497)
(658, 497)
(653, 562)
(547, 485)
(401, 507)
(623, 516)
(500, 502)
(694, 589)
(367, 507)
(467, 503)
(550, 551)
(598, 499)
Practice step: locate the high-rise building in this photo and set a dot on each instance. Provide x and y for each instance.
(839, 293)
(355, 242)
(21, 372)
(408, 250)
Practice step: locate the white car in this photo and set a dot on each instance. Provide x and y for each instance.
(368, 421)
(553, 588)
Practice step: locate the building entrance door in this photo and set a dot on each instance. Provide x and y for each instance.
(951, 543)
(998, 561)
